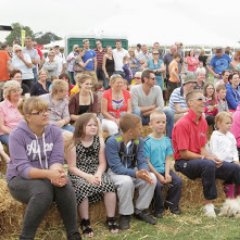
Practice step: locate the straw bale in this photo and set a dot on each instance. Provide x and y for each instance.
(192, 192)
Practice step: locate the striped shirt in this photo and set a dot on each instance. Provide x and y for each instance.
(177, 97)
(100, 55)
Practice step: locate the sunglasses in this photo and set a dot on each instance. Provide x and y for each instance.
(200, 99)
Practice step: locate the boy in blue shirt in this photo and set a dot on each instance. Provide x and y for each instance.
(158, 151)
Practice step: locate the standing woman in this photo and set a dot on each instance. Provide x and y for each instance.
(192, 61)
(23, 62)
(157, 65)
(41, 86)
(35, 173)
(108, 66)
(85, 100)
(115, 102)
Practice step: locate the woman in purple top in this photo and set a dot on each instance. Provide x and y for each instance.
(35, 172)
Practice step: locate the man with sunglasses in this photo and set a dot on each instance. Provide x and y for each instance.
(192, 158)
(147, 98)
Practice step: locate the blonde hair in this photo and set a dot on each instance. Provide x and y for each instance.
(114, 77)
(59, 85)
(82, 77)
(156, 114)
(9, 86)
(220, 117)
(33, 103)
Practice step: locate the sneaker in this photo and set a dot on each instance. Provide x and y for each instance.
(209, 211)
(124, 222)
(146, 217)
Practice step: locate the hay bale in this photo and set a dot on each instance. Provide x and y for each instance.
(192, 192)
(145, 131)
(11, 213)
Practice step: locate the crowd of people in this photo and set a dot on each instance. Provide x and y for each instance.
(57, 110)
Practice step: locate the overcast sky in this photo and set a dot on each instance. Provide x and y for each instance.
(213, 22)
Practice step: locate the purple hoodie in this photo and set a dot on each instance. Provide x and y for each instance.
(29, 151)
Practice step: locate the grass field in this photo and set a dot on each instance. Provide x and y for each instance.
(191, 225)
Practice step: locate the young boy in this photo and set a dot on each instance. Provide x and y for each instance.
(221, 98)
(129, 170)
(158, 151)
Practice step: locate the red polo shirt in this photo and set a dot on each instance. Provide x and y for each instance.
(189, 135)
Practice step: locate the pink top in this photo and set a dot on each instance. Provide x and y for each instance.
(9, 114)
(235, 129)
(192, 63)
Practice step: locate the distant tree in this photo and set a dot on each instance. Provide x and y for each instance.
(16, 33)
(46, 38)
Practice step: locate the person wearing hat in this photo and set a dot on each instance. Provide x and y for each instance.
(219, 62)
(157, 65)
(177, 101)
(23, 62)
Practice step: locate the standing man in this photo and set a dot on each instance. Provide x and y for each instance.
(219, 63)
(147, 98)
(192, 158)
(71, 61)
(118, 54)
(32, 52)
(100, 51)
(5, 62)
(60, 59)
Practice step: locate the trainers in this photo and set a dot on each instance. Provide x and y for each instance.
(124, 222)
(209, 211)
(146, 217)
(175, 211)
(158, 214)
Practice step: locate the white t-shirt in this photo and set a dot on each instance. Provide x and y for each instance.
(118, 56)
(17, 63)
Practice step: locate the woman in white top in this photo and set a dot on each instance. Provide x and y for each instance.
(23, 62)
(223, 145)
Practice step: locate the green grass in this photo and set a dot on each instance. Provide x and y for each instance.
(189, 226)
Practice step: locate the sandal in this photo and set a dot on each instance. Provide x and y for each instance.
(112, 224)
(86, 228)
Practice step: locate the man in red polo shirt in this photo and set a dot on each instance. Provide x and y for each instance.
(192, 159)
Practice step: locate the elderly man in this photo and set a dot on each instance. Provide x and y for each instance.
(177, 101)
(147, 98)
(192, 158)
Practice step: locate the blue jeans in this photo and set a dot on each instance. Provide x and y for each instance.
(169, 115)
(69, 128)
(4, 139)
(173, 194)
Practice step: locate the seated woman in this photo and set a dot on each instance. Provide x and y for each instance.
(9, 114)
(41, 86)
(58, 105)
(233, 92)
(87, 165)
(35, 173)
(16, 74)
(85, 100)
(115, 102)
(211, 106)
